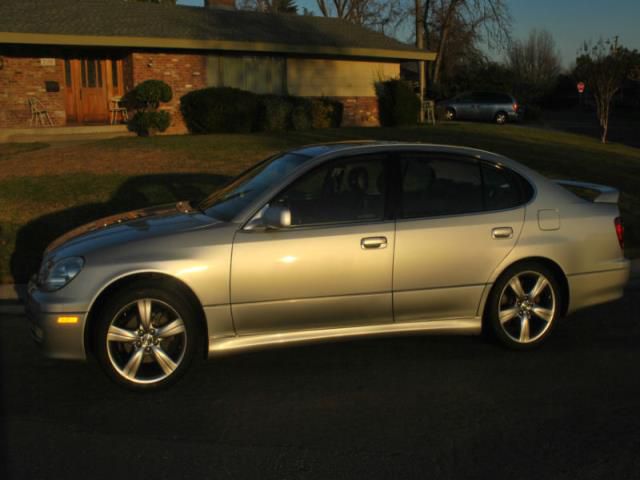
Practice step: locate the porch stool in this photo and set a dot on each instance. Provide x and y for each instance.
(117, 109)
(39, 114)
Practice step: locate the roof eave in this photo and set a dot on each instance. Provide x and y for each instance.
(222, 45)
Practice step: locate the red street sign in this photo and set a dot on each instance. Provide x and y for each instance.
(581, 87)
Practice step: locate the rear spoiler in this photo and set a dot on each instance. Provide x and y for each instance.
(604, 194)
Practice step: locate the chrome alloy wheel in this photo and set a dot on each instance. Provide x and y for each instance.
(527, 307)
(146, 341)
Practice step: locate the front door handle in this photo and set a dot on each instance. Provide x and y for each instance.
(501, 233)
(373, 242)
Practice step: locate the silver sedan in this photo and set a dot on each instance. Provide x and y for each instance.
(330, 242)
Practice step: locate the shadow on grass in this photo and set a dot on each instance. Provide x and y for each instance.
(137, 192)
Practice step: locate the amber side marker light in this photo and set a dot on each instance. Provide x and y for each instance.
(68, 320)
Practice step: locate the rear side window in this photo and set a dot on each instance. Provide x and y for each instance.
(435, 186)
(501, 188)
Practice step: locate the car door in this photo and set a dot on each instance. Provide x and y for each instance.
(464, 107)
(457, 219)
(332, 267)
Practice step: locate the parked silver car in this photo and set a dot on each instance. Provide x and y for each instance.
(482, 106)
(327, 243)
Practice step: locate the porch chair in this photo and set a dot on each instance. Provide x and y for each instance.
(429, 111)
(116, 108)
(39, 114)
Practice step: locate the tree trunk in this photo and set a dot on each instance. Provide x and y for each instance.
(441, 49)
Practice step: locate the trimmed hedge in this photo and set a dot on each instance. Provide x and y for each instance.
(326, 113)
(146, 123)
(220, 109)
(224, 109)
(145, 98)
(397, 102)
(275, 113)
(148, 95)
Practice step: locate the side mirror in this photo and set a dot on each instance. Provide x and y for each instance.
(276, 217)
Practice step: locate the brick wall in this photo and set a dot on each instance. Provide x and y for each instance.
(359, 111)
(21, 78)
(182, 72)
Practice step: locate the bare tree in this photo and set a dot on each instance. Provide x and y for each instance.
(270, 6)
(383, 15)
(603, 67)
(535, 63)
(447, 20)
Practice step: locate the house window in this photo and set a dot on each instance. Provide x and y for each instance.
(91, 73)
(256, 74)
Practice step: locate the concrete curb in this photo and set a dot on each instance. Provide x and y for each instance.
(11, 296)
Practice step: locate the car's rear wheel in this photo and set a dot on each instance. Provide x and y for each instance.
(146, 337)
(450, 114)
(500, 118)
(524, 305)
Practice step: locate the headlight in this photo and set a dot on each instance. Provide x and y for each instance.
(54, 276)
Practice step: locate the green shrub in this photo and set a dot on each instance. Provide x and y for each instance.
(397, 103)
(275, 113)
(148, 123)
(220, 109)
(148, 95)
(301, 114)
(145, 99)
(326, 113)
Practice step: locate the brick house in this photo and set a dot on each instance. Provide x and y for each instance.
(76, 55)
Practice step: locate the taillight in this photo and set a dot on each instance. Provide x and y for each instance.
(620, 231)
(515, 107)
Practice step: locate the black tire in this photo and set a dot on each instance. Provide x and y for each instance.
(450, 114)
(542, 317)
(501, 118)
(181, 348)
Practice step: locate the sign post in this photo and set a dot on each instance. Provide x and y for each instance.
(581, 86)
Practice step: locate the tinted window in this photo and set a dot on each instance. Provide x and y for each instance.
(350, 190)
(229, 201)
(440, 186)
(501, 188)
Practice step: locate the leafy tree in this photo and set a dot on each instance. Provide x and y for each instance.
(604, 67)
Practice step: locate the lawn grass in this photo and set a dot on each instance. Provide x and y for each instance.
(46, 190)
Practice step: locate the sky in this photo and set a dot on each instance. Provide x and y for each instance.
(571, 22)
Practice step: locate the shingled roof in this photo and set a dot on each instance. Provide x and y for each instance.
(122, 23)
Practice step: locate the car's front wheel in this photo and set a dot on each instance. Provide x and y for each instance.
(524, 305)
(146, 337)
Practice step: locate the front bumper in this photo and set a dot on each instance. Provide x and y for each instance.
(56, 340)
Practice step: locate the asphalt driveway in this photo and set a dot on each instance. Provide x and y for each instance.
(419, 407)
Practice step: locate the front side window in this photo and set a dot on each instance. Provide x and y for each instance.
(352, 190)
(433, 187)
(229, 201)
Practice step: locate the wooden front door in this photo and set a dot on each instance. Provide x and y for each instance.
(91, 84)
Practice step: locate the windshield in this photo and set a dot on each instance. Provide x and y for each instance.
(226, 203)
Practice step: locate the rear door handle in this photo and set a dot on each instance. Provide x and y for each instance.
(373, 242)
(502, 232)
